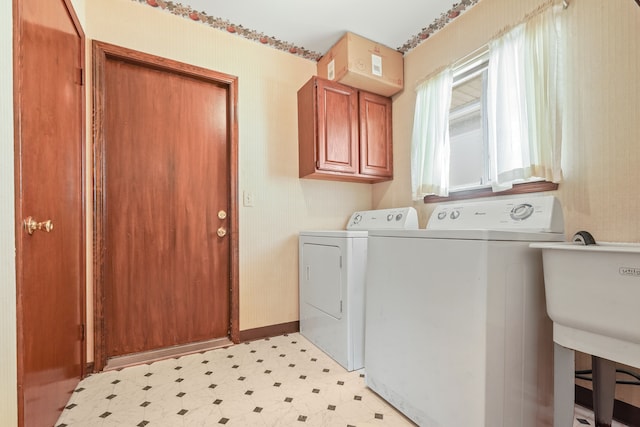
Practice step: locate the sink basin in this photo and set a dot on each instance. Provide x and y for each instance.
(592, 295)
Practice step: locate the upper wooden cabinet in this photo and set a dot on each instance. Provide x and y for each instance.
(343, 134)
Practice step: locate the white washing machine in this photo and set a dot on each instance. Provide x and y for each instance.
(332, 270)
(456, 327)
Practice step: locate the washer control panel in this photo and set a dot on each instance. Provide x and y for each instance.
(542, 214)
(384, 219)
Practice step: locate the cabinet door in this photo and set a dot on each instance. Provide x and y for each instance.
(376, 147)
(337, 148)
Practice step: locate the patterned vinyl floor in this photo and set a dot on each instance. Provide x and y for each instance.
(281, 381)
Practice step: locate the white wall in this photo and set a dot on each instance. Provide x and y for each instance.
(8, 369)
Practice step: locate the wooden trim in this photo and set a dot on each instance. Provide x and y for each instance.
(269, 331)
(83, 186)
(102, 51)
(97, 81)
(524, 188)
(622, 411)
(17, 119)
(234, 332)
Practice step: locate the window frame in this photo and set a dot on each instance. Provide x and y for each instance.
(487, 191)
(466, 71)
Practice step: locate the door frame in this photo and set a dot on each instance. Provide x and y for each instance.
(19, 230)
(101, 53)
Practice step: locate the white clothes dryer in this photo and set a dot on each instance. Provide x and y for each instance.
(332, 268)
(456, 327)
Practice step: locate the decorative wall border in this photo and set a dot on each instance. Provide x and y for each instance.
(178, 9)
(437, 25)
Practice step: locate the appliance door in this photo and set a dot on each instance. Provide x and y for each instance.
(321, 284)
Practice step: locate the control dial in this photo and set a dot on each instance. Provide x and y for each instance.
(521, 212)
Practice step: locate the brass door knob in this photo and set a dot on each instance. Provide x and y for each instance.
(222, 214)
(222, 232)
(31, 225)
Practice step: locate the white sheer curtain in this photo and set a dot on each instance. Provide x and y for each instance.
(430, 140)
(524, 121)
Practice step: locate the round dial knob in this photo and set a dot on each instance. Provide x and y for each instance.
(521, 212)
(442, 215)
(454, 214)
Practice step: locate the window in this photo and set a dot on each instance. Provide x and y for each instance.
(493, 121)
(469, 165)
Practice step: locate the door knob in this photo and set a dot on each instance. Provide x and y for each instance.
(222, 214)
(222, 232)
(32, 225)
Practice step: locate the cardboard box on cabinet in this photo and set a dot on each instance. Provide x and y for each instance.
(364, 64)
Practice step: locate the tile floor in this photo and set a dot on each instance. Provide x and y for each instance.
(281, 381)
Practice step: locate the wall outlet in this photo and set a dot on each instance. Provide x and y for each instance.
(247, 198)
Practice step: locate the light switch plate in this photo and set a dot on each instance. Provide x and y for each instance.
(247, 199)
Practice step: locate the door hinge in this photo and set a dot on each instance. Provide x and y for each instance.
(82, 332)
(340, 306)
(81, 76)
(340, 261)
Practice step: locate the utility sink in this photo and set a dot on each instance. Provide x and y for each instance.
(592, 293)
(592, 297)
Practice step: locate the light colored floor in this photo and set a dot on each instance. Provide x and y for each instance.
(282, 381)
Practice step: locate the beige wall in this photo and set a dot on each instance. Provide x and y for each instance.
(8, 369)
(268, 147)
(601, 151)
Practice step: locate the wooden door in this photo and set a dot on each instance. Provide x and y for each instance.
(337, 124)
(166, 167)
(376, 147)
(49, 124)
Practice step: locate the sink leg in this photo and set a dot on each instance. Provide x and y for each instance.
(604, 388)
(563, 385)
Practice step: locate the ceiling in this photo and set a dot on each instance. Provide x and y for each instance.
(310, 27)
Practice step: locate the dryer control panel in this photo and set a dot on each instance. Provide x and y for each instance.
(384, 219)
(538, 214)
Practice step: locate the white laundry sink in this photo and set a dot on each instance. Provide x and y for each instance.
(592, 295)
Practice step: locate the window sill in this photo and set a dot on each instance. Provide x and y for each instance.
(526, 187)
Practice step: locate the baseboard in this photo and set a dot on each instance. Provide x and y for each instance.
(246, 335)
(269, 331)
(622, 411)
